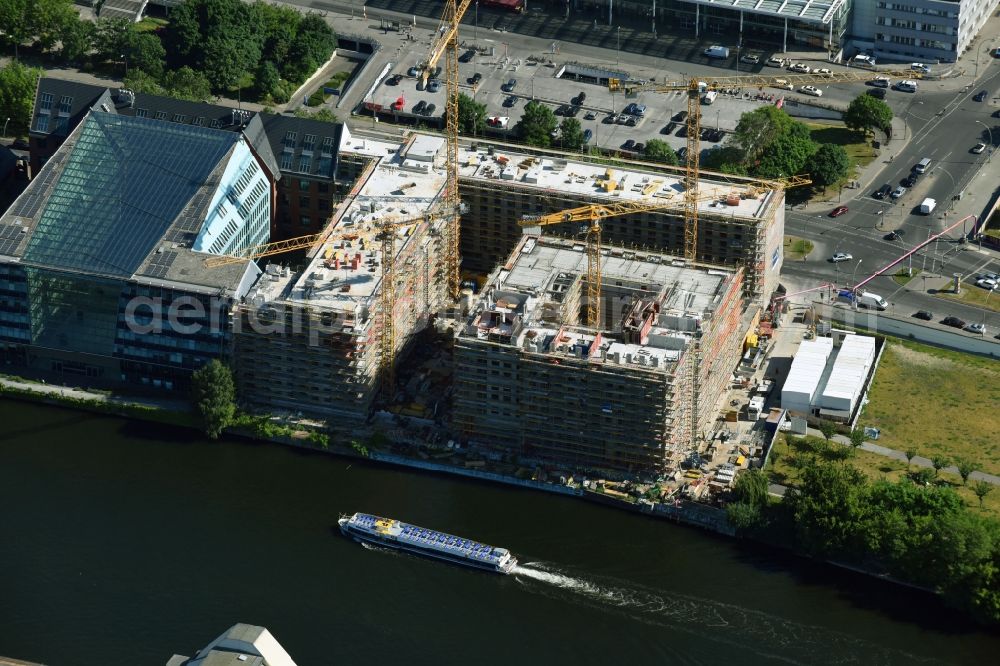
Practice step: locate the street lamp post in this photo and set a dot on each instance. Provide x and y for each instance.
(854, 282)
(989, 153)
(986, 306)
(618, 46)
(475, 34)
(5, 127)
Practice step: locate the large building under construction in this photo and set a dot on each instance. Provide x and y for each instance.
(738, 225)
(532, 380)
(316, 341)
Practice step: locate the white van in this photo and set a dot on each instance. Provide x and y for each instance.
(867, 299)
(922, 165)
(709, 97)
(783, 84)
(863, 60)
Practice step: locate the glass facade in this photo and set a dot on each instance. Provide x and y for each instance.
(125, 182)
(72, 312)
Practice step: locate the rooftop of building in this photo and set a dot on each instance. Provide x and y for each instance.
(812, 11)
(287, 144)
(242, 645)
(602, 183)
(345, 272)
(123, 197)
(657, 304)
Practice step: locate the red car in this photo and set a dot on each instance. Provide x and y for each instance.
(838, 211)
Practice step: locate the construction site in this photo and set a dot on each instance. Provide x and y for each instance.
(533, 379)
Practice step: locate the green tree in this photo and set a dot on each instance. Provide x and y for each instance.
(313, 45)
(728, 159)
(536, 125)
(910, 454)
(112, 37)
(141, 82)
(828, 164)
(660, 151)
(939, 462)
(571, 134)
(965, 468)
(185, 83)
(982, 489)
(828, 429)
(278, 26)
(787, 155)
(757, 131)
(36, 20)
(743, 516)
(182, 36)
(857, 438)
(866, 113)
(77, 39)
(215, 396)
(471, 115)
(267, 79)
(752, 487)
(323, 114)
(17, 95)
(144, 50)
(830, 509)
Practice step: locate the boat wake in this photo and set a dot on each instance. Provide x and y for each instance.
(769, 636)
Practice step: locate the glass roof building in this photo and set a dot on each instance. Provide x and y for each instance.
(102, 257)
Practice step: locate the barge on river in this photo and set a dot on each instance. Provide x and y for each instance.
(368, 528)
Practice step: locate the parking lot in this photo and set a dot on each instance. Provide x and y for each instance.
(547, 80)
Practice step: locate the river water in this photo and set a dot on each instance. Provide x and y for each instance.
(122, 543)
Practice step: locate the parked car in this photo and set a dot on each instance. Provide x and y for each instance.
(680, 116)
(841, 256)
(419, 107)
(838, 211)
(811, 90)
(823, 71)
(436, 73)
(682, 153)
(475, 78)
(467, 56)
(509, 86)
(986, 283)
(587, 135)
(631, 121)
(864, 60)
(669, 128)
(590, 115)
(610, 119)
(413, 71)
(640, 148)
(775, 61)
(976, 328)
(980, 96)
(953, 321)
(979, 148)
(924, 314)
(991, 276)
(750, 59)
(634, 109)
(882, 192)
(877, 93)
(920, 67)
(572, 111)
(510, 101)
(429, 109)
(394, 80)
(433, 85)
(561, 109)
(911, 180)
(629, 145)
(896, 234)
(996, 114)
(898, 192)
(800, 67)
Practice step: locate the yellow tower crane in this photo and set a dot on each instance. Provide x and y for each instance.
(694, 90)
(594, 213)
(445, 45)
(385, 231)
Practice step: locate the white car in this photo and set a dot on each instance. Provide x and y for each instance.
(920, 67)
(841, 256)
(811, 90)
(986, 283)
(976, 328)
(898, 192)
(800, 67)
(775, 62)
(750, 59)
(864, 60)
(823, 71)
(979, 148)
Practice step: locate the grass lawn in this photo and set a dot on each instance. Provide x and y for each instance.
(855, 143)
(903, 276)
(937, 401)
(973, 295)
(790, 455)
(796, 248)
(149, 24)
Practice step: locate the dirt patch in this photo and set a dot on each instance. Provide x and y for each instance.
(914, 357)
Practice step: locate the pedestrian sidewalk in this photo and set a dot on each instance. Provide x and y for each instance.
(43, 388)
(899, 455)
